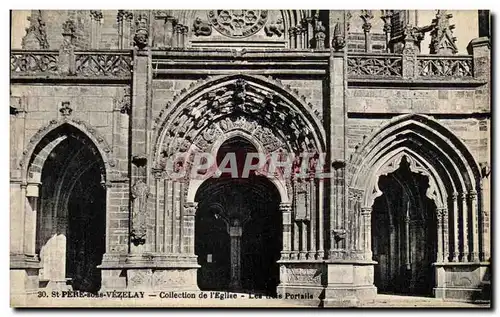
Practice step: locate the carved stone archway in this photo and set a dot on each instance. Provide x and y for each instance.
(34, 156)
(60, 158)
(454, 184)
(260, 110)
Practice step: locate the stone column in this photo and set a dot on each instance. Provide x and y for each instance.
(235, 232)
(189, 221)
(173, 219)
(446, 236)
(177, 35)
(311, 253)
(96, 19)
(439, 216)
(485, 220)
(184, 32)
(407, 241)
(454, 201)
(124, 20)
(181, 218)
(465, 236)
(286, 209)
(295, 240)
(157, 180)
(32, 194)
(336, 142)
(367, 16)
(366, 214)
(386, 17)
(293, 37)
(321, 242)
(166, 213)
(303, 240)
(474, 214)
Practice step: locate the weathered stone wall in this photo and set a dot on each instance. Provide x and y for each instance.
(164, 91)
(463, 111)
(312, 89)
(98, 107)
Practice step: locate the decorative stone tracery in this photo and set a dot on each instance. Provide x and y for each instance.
(237, 23)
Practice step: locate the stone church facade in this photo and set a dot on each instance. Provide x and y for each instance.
(100, 100)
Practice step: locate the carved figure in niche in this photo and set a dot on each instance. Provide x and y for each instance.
(201, 28)
(139, 195)
(277, 28)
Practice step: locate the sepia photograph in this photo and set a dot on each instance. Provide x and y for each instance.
(293, 158)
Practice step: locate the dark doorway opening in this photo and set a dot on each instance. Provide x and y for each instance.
(71, 226)
(86, 232)
(238, 229)
(404, 234)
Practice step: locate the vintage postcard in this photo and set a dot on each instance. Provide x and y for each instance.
(250, 158)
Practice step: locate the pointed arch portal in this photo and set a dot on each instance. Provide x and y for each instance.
(416, 188)
(69, 172)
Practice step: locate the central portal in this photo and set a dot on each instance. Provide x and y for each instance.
(238, 235)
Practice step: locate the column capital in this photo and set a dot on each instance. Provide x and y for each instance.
(285, 207)
(235, 231)
(190, 209)
(472, 194)
(32, 189)
(441, 211)
(366, 210)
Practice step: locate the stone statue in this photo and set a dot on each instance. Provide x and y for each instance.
(201, 28)
(277, 28)
(140, 195)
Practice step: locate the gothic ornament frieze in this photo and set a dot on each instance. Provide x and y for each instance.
(237, 23)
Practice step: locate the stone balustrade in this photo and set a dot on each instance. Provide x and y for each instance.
(83, 64)
(391, 66)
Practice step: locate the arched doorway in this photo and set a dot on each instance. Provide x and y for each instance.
(71, 226)
(238, 229)
(404, 233)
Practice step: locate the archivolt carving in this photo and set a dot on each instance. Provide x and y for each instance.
(392, 164)
(97, 139)
(440, 147)
(237, 101)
